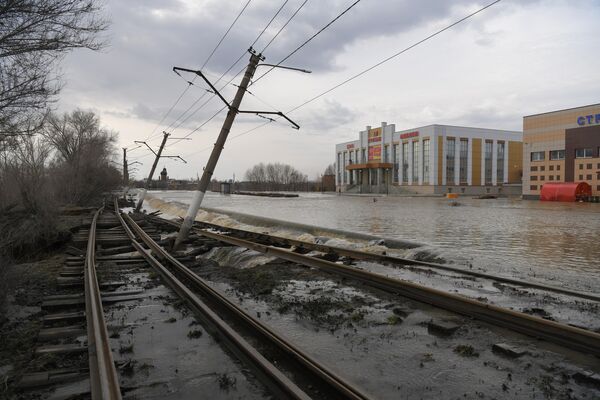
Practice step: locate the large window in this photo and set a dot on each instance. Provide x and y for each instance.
(426, 161)
(464, 160)
(415, 162)
(538, 156)
(450, 152)
(405, 162)
(557, 155)
(386, 154)
(396, 162)
(583, 153)
(364, 157)
(489, 145)
(500, 163)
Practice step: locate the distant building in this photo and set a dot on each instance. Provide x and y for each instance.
(433, 159)
(561, 146)
(164, 179)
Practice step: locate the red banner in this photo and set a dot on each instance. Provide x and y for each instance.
(375, 153)
(409, 135)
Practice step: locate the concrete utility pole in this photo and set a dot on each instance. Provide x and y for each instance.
(214, 156)
(147, 184)
(216, 152)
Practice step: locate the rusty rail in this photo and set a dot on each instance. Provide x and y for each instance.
(104, 382)
(565, 335)
(282, 385)
(384, 258)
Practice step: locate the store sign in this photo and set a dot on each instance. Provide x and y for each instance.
(374, 135)
(349, 146)
(375, 153)
(588, 120)
(409, 135)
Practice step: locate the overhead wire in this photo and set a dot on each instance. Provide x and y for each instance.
(152, 134)
(283, 27)
(307, 41)
(174, 127)
(394, 56)
(364, 71)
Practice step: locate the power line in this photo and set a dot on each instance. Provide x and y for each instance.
(268, 24)
(284, 25)
(365, 70)
(225, 35)
(394, 56)
(152, 134)
(308, 40)
(172, 125)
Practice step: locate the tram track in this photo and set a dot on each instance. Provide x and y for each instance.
(379, 258)
(579, 339)
(210, 306)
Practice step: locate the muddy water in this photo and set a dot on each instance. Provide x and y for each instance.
(551, 242)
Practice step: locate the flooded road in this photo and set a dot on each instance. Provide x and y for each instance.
(552, 242)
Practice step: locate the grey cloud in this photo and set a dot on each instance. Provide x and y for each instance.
(331, 115)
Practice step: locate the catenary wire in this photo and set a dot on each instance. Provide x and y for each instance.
(362, 72)
(308, 40)
(393, 56)
(225, 73)
(284, 25)
(153, 133)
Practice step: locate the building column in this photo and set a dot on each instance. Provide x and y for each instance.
(420, 166)
(483, 162)
(401, 165)
(494, 162)
(410, 163)
(505, 178)
(470, 162)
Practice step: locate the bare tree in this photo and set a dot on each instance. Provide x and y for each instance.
(330, 170)
(34, 36)
(275, 176)
(84, 151)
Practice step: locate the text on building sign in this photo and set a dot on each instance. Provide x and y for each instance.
(374, 135)
(409, 135)
(588, 120)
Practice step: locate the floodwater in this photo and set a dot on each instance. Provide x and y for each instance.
(398, 357)
(555, 243)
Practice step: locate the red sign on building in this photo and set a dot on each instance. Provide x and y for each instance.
(409, 135)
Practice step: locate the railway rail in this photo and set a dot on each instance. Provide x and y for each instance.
(104, 383)
(380, 258)
(565, 335)
(66, 332)
(180, 278)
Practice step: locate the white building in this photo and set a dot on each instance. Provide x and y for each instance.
(433, 159)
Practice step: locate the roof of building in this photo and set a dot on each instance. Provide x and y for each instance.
(564, 109)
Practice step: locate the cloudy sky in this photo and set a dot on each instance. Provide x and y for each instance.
(516, 58)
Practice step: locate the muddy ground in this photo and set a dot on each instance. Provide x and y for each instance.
(386, 344)
(27, 284)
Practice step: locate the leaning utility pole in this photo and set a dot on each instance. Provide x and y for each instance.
(147, 184)
(216, 152)
(220, 143)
